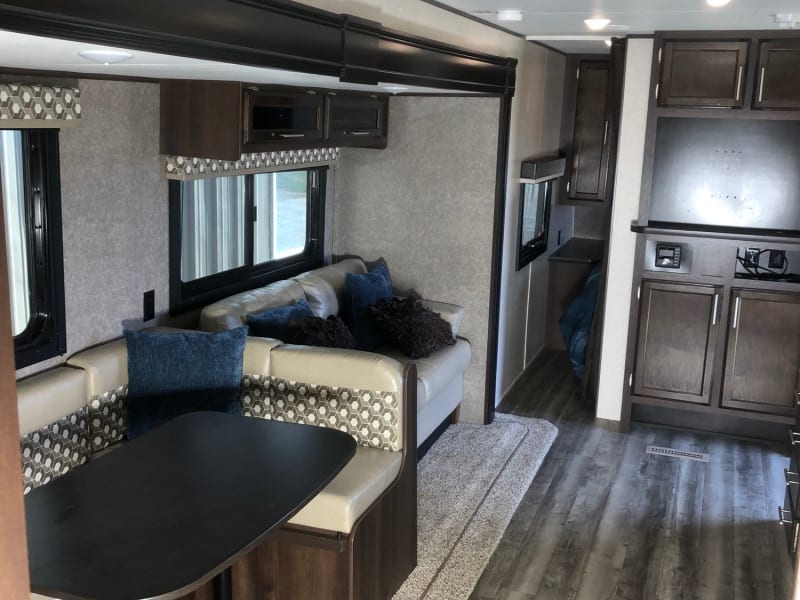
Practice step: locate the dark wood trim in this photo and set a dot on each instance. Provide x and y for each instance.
(471, 17)
(49, 74)
(266, 33)
(503, 138)
(549, 47)
(13, 546)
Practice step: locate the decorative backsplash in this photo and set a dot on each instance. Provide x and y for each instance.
(185, 168)
(26, 105)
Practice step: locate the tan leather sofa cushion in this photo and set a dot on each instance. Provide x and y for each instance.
(257, 353)
(452, 313)
(324, 286)
(231, 312)
(437, 370)
(106, 366)
(352, 491)
(46, 397)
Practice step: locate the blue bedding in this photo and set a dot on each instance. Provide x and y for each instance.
(576, 322)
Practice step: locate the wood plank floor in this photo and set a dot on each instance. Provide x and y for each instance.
(603, 519)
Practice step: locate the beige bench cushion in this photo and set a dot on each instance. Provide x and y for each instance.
(324, 287)
(46, 397)
(232, 311)
(353, 490)
(435, 372)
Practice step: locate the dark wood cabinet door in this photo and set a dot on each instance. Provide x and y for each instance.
(763, 352)
(703, 74)
(778, 85)
(678, 329)
(590, 147)
(357, 120)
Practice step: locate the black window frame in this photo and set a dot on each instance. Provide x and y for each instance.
(45, 335)
(200, 292)
(529, 250)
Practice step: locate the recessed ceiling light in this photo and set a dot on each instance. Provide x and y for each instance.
(607, 43)
(105, 57)
(509, 15)
(717, 3)
(395, 89)
(596, 24)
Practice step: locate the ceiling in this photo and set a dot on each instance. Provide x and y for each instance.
(544, 19)
(22, 51)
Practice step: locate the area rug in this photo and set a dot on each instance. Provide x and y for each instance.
(469, 485)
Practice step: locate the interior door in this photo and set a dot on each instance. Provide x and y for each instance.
(13, 546)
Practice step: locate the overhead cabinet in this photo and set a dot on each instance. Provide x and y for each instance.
(703, 73)
(778, 85)
(223, 119)
(588, 177)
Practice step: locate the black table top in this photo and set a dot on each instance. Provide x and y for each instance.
(171, 509)
(580, 250)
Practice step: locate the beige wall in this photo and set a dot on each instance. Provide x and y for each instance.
(426, 204)
(622, 245)
(114, 205)
(535, 131)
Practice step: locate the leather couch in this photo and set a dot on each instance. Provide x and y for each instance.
(440, 377)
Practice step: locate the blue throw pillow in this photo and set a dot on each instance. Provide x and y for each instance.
(170, 374)
(361, 292)
(274, 322)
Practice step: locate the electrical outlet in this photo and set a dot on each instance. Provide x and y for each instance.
(149, 305)
(777, 259)
(751, 257)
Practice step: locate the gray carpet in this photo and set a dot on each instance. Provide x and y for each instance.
(469, 485)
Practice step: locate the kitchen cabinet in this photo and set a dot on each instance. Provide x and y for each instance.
(356, 120)
(588, 176)
(778, 85)
(678, 329)
(703, 73)
(763, 352)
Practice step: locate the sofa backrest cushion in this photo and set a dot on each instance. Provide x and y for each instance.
(54, 425)
(324, 287)
(274, 322)
(174, 373)
(232, 311)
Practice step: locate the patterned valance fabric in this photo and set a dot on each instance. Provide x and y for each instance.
(50, 452)
(25, 106)
(185, 168)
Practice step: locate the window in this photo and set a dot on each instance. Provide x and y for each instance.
(228, 234)
(534, 216)
(32, 209)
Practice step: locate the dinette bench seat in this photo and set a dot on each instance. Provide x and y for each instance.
(356, 538)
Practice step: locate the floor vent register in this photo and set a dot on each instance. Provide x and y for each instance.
(662, 451)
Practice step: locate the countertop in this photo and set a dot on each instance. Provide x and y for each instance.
(580, 250)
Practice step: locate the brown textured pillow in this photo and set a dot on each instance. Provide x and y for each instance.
(316, 331)
(410, 327)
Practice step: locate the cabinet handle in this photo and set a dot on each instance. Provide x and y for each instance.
(356, 132)
(739, 83)
(761, 83)
(796, 398)
(736, 312)
(605, 134)
(787, 474)
(657, 86)
(291, 135)
(795, 536)
(714, 315)
(794, 437)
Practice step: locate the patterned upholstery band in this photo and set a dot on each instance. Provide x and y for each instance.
(371, 417)
(108, 418)
(50, 452)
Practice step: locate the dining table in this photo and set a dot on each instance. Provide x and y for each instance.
(167, 512)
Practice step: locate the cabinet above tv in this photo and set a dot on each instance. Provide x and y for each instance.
(754, 74)
(225, 119)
